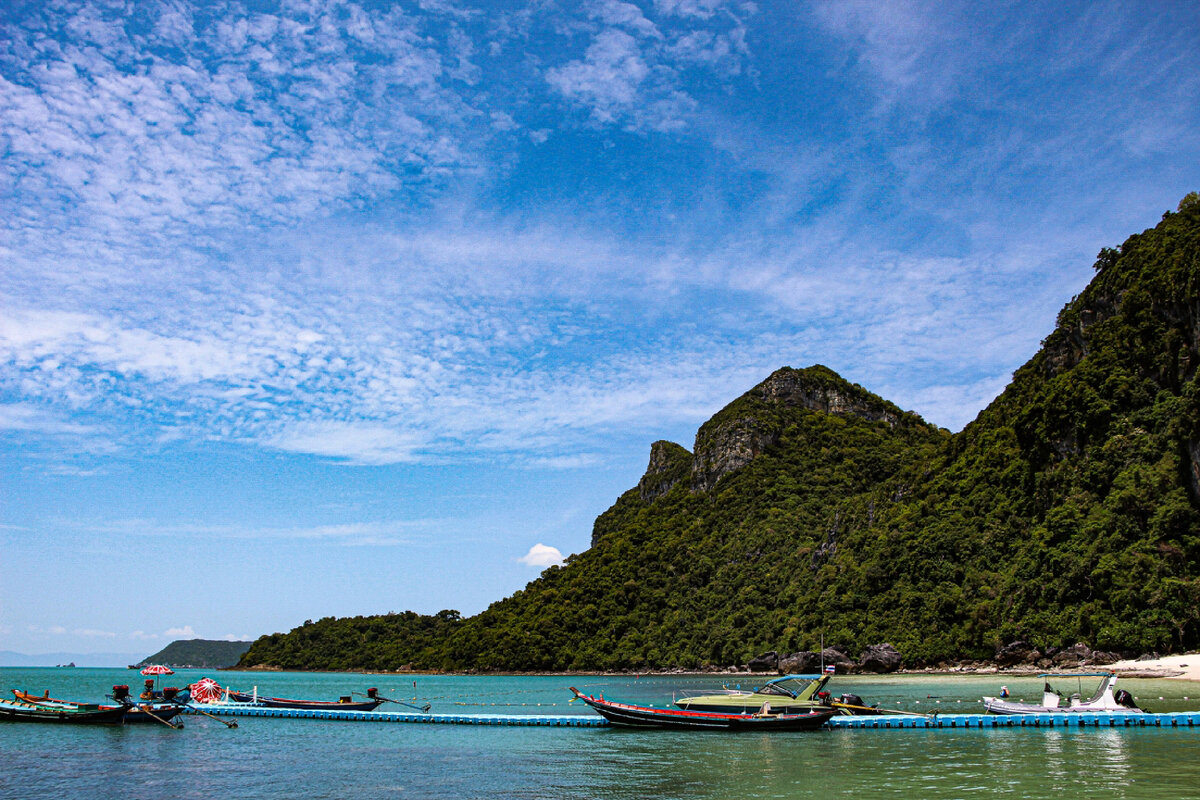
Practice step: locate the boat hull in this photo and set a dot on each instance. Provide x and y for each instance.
(29, 712)
(133, 714)
(281, 702)
(634, 716)
(1005, 707)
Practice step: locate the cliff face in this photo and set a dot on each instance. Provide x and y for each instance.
(755, 422)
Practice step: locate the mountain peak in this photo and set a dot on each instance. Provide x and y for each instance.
(756, 420)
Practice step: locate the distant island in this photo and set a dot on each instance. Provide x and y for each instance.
(1061, 526)
(198, 654)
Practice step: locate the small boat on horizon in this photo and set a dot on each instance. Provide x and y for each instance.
(1104, 700)
(635, 716)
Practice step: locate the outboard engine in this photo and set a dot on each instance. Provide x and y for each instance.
(852, 700)
(1124, 698)
(120, 694)
(372, 692)
(169, 693)
(823, 698)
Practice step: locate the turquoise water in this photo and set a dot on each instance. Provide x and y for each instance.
(284, 758)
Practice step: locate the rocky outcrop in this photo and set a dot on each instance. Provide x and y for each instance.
(819, 388)
(728, 446)
(669, 464)
(767, 662)
(1016, 653)
(880, 658)
(839, 658)
(750, 425)
(797, 663)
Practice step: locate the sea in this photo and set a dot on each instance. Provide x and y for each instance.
(266, 759)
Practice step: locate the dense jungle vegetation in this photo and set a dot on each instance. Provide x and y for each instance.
(1066, 512)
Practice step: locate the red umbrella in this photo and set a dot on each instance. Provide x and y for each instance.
(158, 669)
(206, 690)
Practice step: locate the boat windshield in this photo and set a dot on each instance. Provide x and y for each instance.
(788, 685)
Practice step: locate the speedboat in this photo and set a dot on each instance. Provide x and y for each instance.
(1105, 699)
(789, 694)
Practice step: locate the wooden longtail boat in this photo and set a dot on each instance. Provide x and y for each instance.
(344, 704)
(18, 711)
(135, 713)
(635, 716)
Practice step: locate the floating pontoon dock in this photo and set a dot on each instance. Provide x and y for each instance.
(1182, 719)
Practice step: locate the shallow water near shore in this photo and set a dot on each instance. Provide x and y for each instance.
(298, 758)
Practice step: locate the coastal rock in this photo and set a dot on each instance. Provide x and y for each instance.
(839, 658)
(767, 662)
(798, 663)
(1073, 656)
(1018, 652)
(880, 658)
(1101, 657)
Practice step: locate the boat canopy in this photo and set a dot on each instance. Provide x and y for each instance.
(1076, 674)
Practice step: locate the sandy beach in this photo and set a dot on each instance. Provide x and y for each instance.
(1185, 667)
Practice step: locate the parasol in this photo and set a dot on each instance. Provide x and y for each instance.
(158, 669)
(206, 690)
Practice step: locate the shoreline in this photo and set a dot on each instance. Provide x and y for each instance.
(1176, 667)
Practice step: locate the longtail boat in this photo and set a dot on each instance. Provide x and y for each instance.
(635, 716)
(341, 704)
(18, 711)
(145, 712)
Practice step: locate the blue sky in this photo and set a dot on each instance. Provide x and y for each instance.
(313, 308)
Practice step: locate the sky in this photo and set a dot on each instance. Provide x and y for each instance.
(318, 308)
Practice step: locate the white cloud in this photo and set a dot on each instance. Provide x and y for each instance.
(607, 79)
(185, 632)
(142, 636)
(541, 555)
(93, 633)
(25, 417)
(356, 443)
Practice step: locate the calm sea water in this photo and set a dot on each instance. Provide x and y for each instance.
(282, 758)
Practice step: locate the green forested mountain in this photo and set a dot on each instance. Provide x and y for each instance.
(1066, 512)
(207, 653)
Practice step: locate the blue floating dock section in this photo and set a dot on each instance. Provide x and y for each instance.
(1183, 719)
(541, 720)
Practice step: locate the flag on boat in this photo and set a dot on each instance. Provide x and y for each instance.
(830, 669)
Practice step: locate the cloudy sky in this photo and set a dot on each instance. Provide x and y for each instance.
(320, 308)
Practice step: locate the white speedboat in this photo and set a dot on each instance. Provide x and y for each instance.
(1105, 699)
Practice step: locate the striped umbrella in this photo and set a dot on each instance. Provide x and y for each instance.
(158, 669)
(206, 690)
